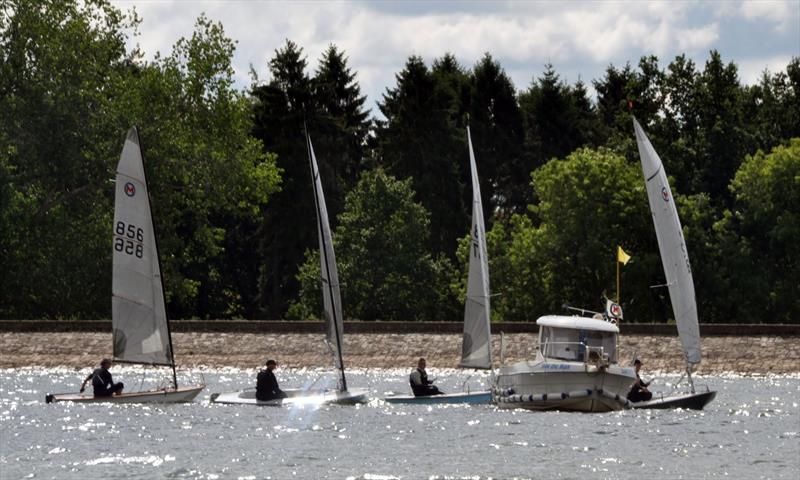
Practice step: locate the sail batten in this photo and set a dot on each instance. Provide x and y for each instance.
(140, 330)
(671, 244)
(476, 347)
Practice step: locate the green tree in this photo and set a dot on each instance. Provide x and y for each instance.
(497, 132)
(59, 62)
(211, 180)
(340, 125)
(723, 140)
(70, 92)
(589, 203)
(619, 91)
(420, 140)
(384, 264)
(279, 112)
(772, 107)
(759, 250)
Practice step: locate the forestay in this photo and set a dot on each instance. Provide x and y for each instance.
(330, 276)
(671, 243)
(476, 345)
(138, 314)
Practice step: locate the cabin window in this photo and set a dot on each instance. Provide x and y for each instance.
(563, 343)
(570, 344)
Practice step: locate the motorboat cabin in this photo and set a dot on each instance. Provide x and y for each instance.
(578, 339)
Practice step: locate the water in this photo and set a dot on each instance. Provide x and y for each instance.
(751, 430)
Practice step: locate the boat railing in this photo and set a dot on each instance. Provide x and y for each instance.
(596, 356)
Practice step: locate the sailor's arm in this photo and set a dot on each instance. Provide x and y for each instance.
(86, 380)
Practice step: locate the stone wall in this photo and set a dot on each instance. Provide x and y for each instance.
(740, 354)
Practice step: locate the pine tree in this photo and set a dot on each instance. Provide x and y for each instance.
(420, 140)
(288, 227)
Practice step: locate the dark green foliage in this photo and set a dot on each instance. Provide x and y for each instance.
(331, 107)
(498, 139)
(385, 267)
(231, 246)
(70, 92)
(589, 203)
(421, 141)
(760, 255)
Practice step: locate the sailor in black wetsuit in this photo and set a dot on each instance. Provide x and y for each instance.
(267, 384)
(102, 382)
(420, 384)
(639, 391)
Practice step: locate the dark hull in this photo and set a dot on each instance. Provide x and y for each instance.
(691, 401)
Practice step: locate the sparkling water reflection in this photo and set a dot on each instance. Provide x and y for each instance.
(751, 430)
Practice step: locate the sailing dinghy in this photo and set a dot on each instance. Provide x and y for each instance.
(140, 326)
(333, 319)
(678, 272)
(476, 344)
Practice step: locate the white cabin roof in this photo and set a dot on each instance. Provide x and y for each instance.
(577, 323)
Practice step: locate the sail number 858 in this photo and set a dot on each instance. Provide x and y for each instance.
(124, 239)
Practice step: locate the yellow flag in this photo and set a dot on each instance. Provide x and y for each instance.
(622, 256)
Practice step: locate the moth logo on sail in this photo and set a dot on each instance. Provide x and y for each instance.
(665, 194)
(130, 189)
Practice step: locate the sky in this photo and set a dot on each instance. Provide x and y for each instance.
(579, 38)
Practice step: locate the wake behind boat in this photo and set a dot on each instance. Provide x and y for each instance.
(332, 304)
(139, 319)
(678, 272)
(476, 344)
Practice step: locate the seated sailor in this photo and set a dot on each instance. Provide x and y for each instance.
(639, 391)
(102, 382)
(267, 385)
(420, 384)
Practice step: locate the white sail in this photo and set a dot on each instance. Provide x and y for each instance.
(674, 255)
(138, 314)
(476, 347)
(330, 276)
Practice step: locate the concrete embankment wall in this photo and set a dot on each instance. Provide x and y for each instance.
(746, 349)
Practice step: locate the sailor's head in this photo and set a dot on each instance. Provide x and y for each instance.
(271, 364)
(105, 363)
(421, 363)
(637, 364)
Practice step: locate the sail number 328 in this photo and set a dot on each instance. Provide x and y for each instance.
(125, 235)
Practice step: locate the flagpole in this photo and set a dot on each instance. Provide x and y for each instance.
(618, 295)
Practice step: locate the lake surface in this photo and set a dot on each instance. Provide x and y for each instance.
(750, 431)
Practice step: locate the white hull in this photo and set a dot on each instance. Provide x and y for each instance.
(167, 395)
(295, 397)
(472, 398)
(563, 385)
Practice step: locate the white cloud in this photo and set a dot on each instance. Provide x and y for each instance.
(751, 69)
(781, 13)
(697, 39)
(577, 37)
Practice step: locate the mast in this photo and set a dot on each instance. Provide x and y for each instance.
(324, 253)
(158, 258)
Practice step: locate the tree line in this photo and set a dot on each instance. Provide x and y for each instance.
(233, 204)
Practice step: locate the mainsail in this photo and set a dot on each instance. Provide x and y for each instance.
(330, 277)
(139, 319)
(476, 348)
(674, 256)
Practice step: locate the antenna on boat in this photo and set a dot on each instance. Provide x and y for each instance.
(583, 311)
